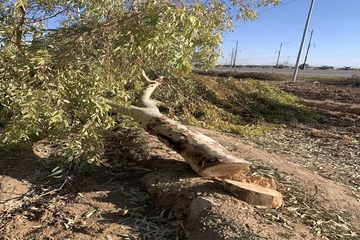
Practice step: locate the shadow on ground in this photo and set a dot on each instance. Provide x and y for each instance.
(106, 204)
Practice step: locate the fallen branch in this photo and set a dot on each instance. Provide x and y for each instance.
(205, 156)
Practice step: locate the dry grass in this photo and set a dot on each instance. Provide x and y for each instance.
(247, 107)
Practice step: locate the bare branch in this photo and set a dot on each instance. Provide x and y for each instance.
(145, 78)
(50, 17)
(19, 30)
(118, 108)
(144, 100)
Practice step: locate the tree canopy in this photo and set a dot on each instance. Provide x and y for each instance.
(61, 59)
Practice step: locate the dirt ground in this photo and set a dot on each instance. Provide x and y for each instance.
(144, 190)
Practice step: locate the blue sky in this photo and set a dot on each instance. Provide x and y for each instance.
(336, 34)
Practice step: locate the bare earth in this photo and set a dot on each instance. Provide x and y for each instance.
(143, 190)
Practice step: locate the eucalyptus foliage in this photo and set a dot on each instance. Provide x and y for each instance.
(61, 58)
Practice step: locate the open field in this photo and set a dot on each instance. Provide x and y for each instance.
(306, 72)
(144, 190)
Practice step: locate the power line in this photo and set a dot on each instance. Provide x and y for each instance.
(335, 56)
(271, 8)
(280, 5)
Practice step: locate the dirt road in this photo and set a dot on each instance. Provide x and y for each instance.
(306, 72)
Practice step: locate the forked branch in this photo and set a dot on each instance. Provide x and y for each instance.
(151, 85)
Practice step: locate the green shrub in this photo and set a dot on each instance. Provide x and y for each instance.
(325, 67)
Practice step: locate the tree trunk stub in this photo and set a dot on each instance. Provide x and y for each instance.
(205, 156)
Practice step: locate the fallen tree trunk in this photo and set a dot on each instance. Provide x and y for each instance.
(331, 106)
(205, 156)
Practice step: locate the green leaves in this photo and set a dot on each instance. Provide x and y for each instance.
(53, 77)
(246, 7)
(56, 172)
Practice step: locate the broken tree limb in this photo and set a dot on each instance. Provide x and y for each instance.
(205, 156)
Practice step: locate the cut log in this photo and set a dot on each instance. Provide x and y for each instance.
(261, 181)
(205, 156)
(254, 194)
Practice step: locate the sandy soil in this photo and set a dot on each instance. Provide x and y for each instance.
(143, 190)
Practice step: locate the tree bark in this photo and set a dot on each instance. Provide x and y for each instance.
(20, 27)
(205, 156)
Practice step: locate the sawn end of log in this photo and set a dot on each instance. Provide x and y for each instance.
(254, 194)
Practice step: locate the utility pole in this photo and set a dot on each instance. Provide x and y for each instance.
(236, 49)
(302, 41)
(307, 51)
(232, 57)
(277, 62)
